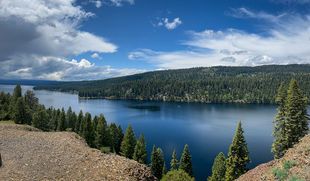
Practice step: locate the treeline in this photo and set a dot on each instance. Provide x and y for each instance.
(210, 85)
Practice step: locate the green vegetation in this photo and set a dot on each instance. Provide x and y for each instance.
(177, 175)
(157, 162)
(140, 154)
(291, 122)
(128, 143)
(218, 168)
(238, 156)
(206, 84)
(186, 161)
(174, 163)
(281, 174)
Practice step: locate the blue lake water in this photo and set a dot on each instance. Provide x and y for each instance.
(207, 128)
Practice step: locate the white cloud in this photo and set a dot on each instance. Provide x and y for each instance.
(37, 35)
(246, 13)
(286, 42)
(95, 55)
(98, 4)
(119, 3)
(55, 68)
(170, 25)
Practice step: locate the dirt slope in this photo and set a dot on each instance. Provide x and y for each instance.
(294, 166)
(29, 154)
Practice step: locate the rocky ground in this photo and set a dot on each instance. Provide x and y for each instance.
(294, 166)
(30, 154)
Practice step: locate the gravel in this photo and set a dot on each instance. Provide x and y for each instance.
(30, 154)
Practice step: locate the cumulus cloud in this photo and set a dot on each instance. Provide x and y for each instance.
(36, 37)
(286, 42)
(170, 25)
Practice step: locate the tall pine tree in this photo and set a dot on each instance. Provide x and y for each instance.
(238, 156)
(186, 161)
(87, 130)
(279, 144)
(218, 168)
(174, 163)
(40, 119)
(62, 121)
(116, 137)
(128, 143)
(101, 133)
(78, 123)
(20, 114)
(140, 153)
(296, 115)
(157, 162)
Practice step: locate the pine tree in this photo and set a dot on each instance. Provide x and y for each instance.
(140, 153)
(87, 130)
(62, 121)
(120, 139)
(218, 168)
(101, 133)
(20, 114)
(238, 156)
(69, 118)
(128, 143)
(95, 121)
(73, 120)
(117, 135)
(31, 100)
(296, 115)
(17, 92)
(186, 161)
(174, 163)
(157, 162)
(40, 119)
(78, 123)
(279, 144)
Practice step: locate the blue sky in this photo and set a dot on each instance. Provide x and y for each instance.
(95, 39)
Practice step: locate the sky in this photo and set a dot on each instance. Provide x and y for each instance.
(98, 39)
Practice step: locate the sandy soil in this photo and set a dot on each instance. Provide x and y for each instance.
(29, 154)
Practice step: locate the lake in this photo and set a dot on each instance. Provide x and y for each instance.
(207, 128)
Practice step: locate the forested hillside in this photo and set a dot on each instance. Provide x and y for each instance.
(205, 84)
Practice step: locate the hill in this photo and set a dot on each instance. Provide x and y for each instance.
(293, 166)
(206, 84)
(30, 154)
(27, 82)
